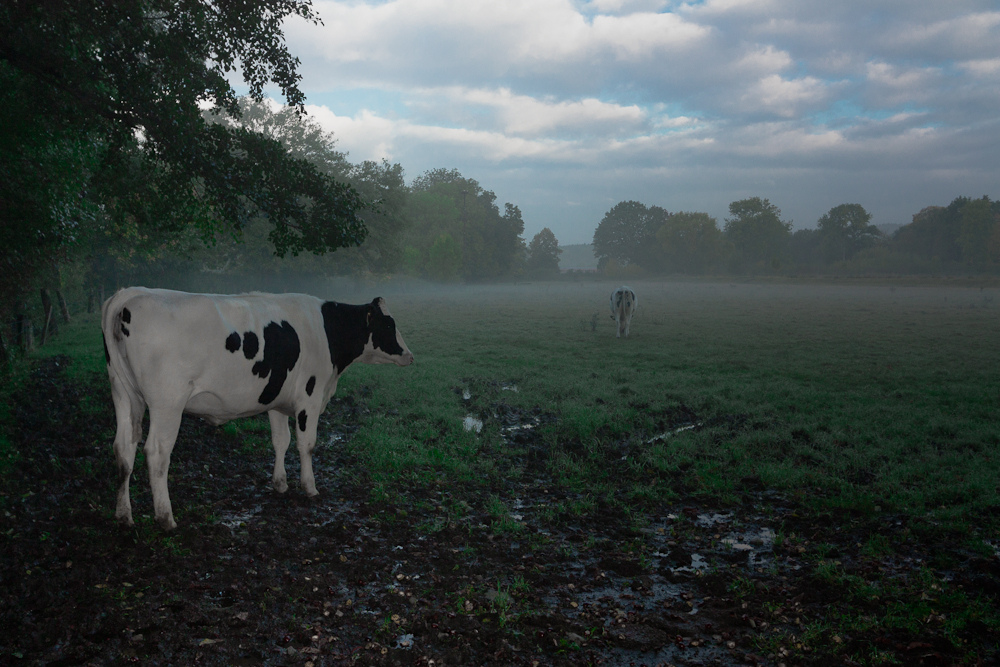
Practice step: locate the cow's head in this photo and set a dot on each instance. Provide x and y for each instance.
(385, 344)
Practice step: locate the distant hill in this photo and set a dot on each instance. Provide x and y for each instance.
(578, 256)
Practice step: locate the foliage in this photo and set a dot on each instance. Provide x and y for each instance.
(120, 154)
(979, 235)
(846, 229)
(445, 202)
(444, 259)
(627, 234)
(689, 242)
(933, 232)
(757, 232)
(543, 252)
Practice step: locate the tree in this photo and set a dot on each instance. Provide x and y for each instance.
(933, 233)
(490, 243)
(543, 252)
(444, 258)
(689, 242)
(979, 224)
(846, 229)
(115, 140)
(627, 234)
(757, 232)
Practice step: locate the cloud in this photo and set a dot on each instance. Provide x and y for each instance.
(683, 104)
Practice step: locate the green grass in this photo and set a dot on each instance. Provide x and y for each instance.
(868, 397)
(861, 397)
(854, 400)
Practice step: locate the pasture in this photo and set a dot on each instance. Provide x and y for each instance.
(762, 473)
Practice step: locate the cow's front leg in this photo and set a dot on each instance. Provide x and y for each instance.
(163, 427)
(305, 439)
(280, 437)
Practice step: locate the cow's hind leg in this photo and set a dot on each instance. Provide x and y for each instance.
(305, 440)
(280, 437)
(163, 427)
(128, 417)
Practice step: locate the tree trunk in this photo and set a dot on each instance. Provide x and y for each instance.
(49, 322)
(63, 308)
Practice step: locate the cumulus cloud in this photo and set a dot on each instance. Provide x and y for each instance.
(591, 102)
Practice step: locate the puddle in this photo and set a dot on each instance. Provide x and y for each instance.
(706, 520)
(233, 520)
(472, 423)
(664, 436)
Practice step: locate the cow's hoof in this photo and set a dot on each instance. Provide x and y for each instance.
(167, 524)
(125, 521)
(311, 493)
(281, 486)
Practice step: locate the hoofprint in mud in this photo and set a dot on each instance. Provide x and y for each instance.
(223, 357)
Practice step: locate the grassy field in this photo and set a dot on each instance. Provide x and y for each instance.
(866, 405)
(868, 398)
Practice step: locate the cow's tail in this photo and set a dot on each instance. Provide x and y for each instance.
(114, 329)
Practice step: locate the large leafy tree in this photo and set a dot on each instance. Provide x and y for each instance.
(101, 110)
(489, 242)
(979, 235)
(690, 242)
(846, 229)
(757, 232)
(543, 252)
(933, 233)
(380, 183)
(627, 234)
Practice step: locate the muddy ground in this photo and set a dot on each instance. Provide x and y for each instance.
(429, 576)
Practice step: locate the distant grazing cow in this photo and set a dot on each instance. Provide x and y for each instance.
(223, 357)
(623, 305)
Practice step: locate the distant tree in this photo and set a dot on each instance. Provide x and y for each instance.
(805, 249)
(979, 235)
(757, 232)
(543, 252)
(627, 234)
(933, 232)
(489, 243)
(846, 229)
(689, 242)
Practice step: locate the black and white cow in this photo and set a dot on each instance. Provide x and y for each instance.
(623, 305)
(223, 357)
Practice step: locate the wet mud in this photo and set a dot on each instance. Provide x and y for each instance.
(428, 576)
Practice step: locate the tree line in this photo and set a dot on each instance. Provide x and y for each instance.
(635, 239)
(127, 157)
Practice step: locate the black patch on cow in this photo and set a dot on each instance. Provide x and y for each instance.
(383, 329)
(126, 316)
(310, 385)
(251, 344)
(124, 329)
(233, 342)
(346, 332)
(107, 355)
(281, 351)
(302, 420)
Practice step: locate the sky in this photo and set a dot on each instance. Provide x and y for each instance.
(567, 107)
